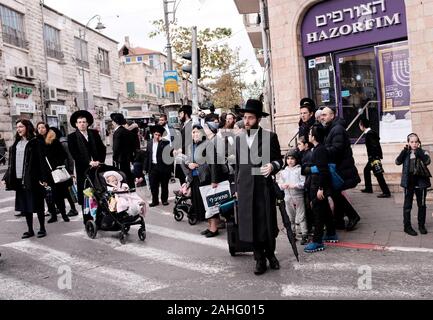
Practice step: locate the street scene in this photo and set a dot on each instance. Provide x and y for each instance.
(199, 150)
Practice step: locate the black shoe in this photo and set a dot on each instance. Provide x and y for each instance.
(154, 204)
(72, 213)
(211, 234)
(384, 195)
(260, 267)
(274, 263)
(27, 235)
(422, 230)
(165, 203)
(52, 219)
(20, 215)
(367, 191)
(205, 232)
(41, 234)
(409, 230)
(352, 223)
(65, 217)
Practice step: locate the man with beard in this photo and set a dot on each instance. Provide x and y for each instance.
(254, 186)
(86, 147)
(337, 143)
(123, 147)
(184, 116)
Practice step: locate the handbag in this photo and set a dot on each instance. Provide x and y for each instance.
(421, 169)
(60, 174)
(336, 181)
(376, 167)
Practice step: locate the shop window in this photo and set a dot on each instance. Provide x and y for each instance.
(321, 80)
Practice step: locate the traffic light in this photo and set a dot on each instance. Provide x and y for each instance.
(188, 67)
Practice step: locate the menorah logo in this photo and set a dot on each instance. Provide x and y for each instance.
(401, 73)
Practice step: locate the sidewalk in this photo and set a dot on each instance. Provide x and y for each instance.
(382, 223)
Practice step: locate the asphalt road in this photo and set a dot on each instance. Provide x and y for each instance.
(176, 262)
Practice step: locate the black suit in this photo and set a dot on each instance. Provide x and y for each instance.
(123, 150)
(159, 172)
(185, 144)
(374, 152)
(83, 151)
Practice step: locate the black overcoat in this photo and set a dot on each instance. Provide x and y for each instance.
(372, 143)
(257, 210)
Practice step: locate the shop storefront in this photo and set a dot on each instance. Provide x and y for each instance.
(357, 58)
(22, 103)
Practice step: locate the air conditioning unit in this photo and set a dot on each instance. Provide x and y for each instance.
(19, 72)
(50, 94)
(29, 72)
(99, 57)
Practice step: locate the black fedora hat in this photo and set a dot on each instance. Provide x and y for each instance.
(81, 114)
(254, 106)
(157, 128)
(187, 109)
(308, 103)
(118, 118)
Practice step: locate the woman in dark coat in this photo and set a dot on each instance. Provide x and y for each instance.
(413, 182)
(26, 175)
(199, 171)
(55, 156)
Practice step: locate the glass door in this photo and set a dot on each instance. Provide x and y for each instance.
(357, 85)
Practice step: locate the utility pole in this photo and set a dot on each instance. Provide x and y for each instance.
(194, 61)
(167, 31)
(267, 96)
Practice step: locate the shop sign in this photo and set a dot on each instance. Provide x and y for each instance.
(171, 81)
(324, 81)
(21, 92)
(60, 109)
(342, 24)
(22, 101)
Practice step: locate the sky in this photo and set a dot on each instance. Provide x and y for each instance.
(133, 18)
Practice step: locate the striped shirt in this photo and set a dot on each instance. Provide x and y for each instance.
(19, 160)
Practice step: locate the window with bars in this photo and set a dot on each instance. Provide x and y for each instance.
(13, 27)
(52, 42)
(81, 53)
(104, 65)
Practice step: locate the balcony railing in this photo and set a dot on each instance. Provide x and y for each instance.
(14, 37)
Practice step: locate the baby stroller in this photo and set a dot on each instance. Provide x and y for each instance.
(183, 205)
(96, 210)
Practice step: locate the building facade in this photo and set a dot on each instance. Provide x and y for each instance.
(47, 59)
(355, 55)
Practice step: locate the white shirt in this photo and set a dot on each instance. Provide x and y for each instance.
(186, 122)
(85, 134)
(154, 150)
(167, 135)
(250, 138)
(367, 130)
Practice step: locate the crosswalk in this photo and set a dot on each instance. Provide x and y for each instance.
(173, 257)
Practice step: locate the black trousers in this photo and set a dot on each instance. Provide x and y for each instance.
(322, 216)
(60, 193)
(421, 194)
(342, 207)
(180, 175)
(379, 177)
(263, 250)
(157, 179)
(125, 167)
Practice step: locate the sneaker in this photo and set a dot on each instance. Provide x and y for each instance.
(331, 239)
(72, 213)
(314, 247)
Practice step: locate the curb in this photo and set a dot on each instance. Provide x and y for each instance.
(377, 247)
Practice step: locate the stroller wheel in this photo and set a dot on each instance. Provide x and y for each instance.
(91, 229)
(178, 215)
(192, 220)
(122, 238)
(142, 233)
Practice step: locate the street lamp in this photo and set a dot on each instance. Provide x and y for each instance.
(82, 35)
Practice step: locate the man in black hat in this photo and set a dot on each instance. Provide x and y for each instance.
(184, 116)
(123, 147)
(258, 157)
(86, 147)
(158, 165)
(307, 119)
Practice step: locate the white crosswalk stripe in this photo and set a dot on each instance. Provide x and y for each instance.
(7, 209)
(15, 289)
(9, 199)
(93, 270)
(144, 251)
(324, 266)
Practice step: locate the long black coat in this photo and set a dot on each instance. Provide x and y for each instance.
(372, 142)
(256, 198)
(304, 127)
(56, 156)
(124, 145)
(337, 143)
(162, 153)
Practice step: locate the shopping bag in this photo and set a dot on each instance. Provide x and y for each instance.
(214, 197)
(73, 192)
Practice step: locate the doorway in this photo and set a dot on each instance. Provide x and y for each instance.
(357, 85)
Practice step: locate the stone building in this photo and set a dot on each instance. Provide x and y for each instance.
(44, 55)
(370, 56)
